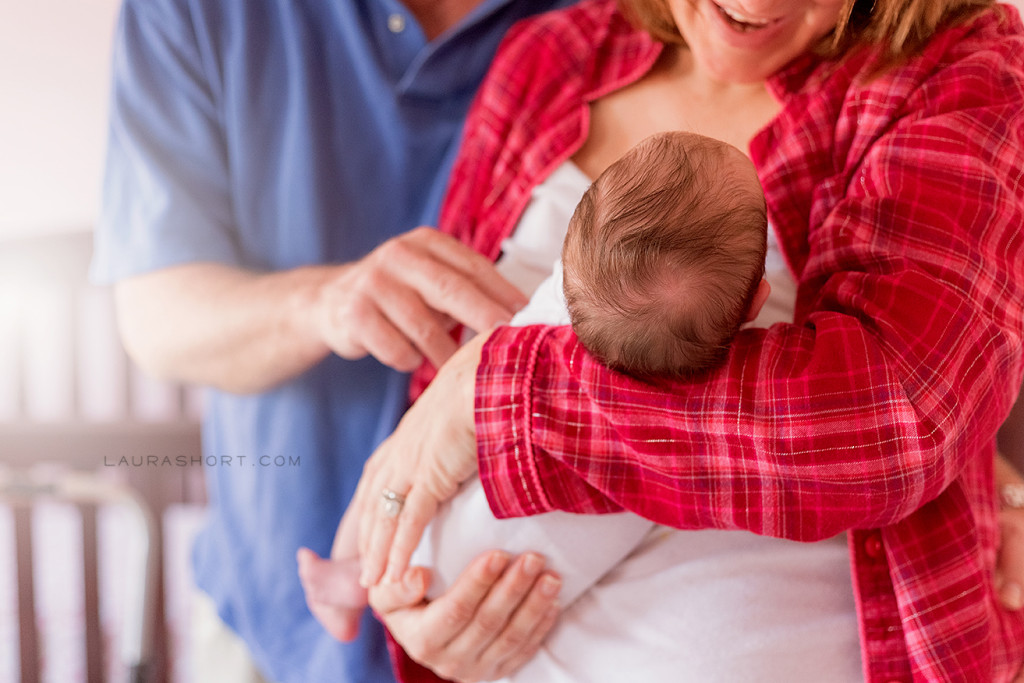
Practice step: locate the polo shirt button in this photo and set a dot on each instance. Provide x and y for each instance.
(396, 23)
(873, 547)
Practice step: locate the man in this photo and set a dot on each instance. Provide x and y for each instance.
(267, 161)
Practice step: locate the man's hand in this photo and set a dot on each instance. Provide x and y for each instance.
(245, 332)
(399, 303)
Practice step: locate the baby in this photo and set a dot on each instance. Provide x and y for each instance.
(663, 259)
(663, 262)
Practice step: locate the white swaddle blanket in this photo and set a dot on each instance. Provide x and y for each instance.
(644, 602)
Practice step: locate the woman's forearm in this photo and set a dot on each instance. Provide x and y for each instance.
(772, 460)
(222, 326)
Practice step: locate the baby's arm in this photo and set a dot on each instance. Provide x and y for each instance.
(581, 548)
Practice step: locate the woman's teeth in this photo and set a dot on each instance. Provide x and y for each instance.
(741, 20)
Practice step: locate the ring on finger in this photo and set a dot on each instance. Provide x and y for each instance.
(392, 501)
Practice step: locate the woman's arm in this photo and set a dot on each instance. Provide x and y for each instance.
(910, 324)
(895, 378)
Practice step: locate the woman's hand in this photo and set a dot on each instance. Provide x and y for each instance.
(420, 465)
(489, 623)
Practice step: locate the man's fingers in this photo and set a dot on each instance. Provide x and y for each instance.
(426, 329)
(478, 268)
(398, 303)
(453, 293)
(453, 279)
(366, 329)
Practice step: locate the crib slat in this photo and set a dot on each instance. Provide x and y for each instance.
(28, 637)
(91, 602)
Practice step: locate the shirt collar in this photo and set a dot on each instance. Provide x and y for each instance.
(449, 63)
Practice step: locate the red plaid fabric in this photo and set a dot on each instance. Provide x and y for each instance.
(899, 204)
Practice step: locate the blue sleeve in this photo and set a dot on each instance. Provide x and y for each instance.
(166, 195)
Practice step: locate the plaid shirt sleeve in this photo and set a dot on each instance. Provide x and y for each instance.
(906, 239)
(898, 204)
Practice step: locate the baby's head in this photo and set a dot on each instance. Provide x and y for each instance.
(664, 257)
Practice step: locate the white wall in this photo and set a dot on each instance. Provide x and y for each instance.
(54, 57)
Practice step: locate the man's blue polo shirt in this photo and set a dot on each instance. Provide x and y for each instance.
(270, 134)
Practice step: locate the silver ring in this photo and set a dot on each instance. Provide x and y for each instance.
(392, 502)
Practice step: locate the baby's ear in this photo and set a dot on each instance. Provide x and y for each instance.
(760, 296)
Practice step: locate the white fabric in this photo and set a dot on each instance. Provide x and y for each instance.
(644, 602)
(527, 256)
(565, 539)
(219, 655)
(547, 305)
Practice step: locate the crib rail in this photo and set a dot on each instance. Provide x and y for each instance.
(22, 489)
(79, 423)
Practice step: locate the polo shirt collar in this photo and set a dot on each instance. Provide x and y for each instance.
(429, 69)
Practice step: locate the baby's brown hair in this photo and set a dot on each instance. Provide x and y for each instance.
(664, 255)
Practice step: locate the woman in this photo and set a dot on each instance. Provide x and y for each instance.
(888, 142)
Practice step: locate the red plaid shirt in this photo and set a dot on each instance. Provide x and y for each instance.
(899, 204)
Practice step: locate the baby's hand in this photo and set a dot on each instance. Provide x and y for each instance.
(333, 593)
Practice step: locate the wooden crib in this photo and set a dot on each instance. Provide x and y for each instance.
(79, 424)
(80, 427)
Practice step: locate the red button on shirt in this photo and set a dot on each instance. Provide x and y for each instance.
(873, 547)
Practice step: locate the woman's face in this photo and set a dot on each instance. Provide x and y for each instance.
(745, 41)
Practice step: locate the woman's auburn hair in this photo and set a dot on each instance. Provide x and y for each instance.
(900, 27)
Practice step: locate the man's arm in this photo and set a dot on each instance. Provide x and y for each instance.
(221, 326)
(245, 332)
